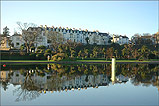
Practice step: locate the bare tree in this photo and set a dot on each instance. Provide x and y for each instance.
(55, 39)
(28, 89)
(25, 26)
(30, 37)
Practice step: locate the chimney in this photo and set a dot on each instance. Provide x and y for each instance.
(41, 26)
(45, 26)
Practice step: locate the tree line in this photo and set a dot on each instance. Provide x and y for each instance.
(73, 50)
(59, 50)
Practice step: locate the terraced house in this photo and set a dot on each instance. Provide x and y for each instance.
(120, 39)
(79, 36)
(68, 34)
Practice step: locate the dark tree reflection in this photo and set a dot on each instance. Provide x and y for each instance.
(28, 89)
(63, 77)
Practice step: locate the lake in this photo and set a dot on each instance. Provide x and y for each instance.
(79, 84)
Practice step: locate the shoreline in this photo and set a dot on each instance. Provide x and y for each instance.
(77, 62)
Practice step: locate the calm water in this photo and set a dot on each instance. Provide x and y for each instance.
(91, 84)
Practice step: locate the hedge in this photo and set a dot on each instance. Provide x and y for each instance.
(19, 56)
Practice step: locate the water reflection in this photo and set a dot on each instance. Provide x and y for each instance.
(34, 80)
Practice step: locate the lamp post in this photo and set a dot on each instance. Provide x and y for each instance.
(48, 58)
(113, 70)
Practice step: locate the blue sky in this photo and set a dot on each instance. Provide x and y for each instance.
(115, 17)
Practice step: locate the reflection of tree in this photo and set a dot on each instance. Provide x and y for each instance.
(5, 82)
(61, 76)
(4, 85)
(28, 89)
(55, 82)
(144, 74)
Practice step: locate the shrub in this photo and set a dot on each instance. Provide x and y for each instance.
(22, 53)
(48, 51)
(41, 51)
(41, 47)
(14, 56)
(40, 56)
(46, 54)
(37, 51)
(32, 56)
(152, 56)
(54, 58)
(58, 57)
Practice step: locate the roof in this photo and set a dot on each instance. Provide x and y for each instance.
(147, 37)
(120, 36)
(2, 35)
(16, 34)
(36, 28)
(124, 36)
(70, 30)
(157, 33)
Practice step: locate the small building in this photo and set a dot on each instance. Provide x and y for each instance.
(16, 40)
(120, 78)
(156, 37)
(4, 43)
(120, 39)
(145, 39)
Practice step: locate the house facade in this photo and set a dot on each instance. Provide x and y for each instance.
(156, 38)
(4, 43)
(151, 39)
(79, 36)
(120, 39)
(17, 40)
(74, 35)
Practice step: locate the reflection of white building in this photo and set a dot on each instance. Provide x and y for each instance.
(17, 79)
(61, 83)
(121, 78)
(4, 75)
(86, 81)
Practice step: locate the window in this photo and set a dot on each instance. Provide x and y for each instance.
(48, 41)
(17, 44)
(71, 35)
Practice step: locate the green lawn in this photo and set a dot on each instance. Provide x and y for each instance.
(93, 61)
(77, 61)
(110, 61)
(25, 61)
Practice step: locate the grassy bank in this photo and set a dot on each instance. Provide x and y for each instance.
(25, 61)
(78, 61)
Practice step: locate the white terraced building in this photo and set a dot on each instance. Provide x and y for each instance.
(73, 35)
(120, 39)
